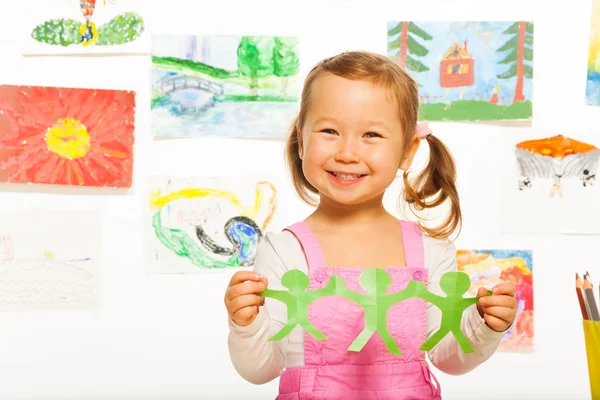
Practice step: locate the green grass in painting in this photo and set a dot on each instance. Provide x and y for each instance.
(179, 65)
(201, 70)
(240, 98)
(469, 110)
(157, 100)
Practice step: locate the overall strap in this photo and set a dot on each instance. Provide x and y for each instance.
(312, 249)
(412, 238)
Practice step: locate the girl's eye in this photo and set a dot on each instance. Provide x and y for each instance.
(331, 131)
(372, 134)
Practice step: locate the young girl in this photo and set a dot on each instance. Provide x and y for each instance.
(356, 127)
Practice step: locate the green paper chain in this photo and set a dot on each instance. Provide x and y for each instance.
(376, 304)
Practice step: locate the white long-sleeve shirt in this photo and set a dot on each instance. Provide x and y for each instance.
(259, 361)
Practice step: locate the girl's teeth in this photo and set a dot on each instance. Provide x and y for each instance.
(347, 177)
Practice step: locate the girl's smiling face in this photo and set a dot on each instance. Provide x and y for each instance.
(351, 141)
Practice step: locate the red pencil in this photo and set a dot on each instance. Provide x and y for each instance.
(585, 309)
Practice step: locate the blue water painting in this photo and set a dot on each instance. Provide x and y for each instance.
(224, 86)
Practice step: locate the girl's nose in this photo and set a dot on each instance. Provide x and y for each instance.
(349, 151)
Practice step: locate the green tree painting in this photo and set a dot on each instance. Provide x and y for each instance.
(285, 60)
(407, 46)
(255, 59)
(520, 46)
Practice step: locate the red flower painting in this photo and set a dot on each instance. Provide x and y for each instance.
(63, 136)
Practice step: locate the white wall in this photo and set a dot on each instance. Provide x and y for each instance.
(165, 336)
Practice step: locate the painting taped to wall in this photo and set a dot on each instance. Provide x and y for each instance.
(554, 187)
(224, 86)
(558, 159)
(202, 224)
(593, 72)
(488, 268)
(64, 136)
(49, 259)
(67, 27)
(467, 71)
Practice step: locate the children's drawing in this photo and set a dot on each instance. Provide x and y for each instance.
(203, 224)
(55, 265)
(87, 26)
(547, 185)
(488, 268)
(225, 86)
(593, 74)
(63, 136)
(467, 71)
(556, 159)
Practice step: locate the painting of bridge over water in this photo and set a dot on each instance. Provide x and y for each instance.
(224, 85)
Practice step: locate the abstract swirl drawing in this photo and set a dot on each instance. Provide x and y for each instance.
(87, 26)
(203, 224)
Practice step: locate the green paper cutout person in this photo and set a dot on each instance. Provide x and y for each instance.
(455, 285)
(376, 304)
(297, 300)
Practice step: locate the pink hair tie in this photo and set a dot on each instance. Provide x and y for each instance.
(423, 130)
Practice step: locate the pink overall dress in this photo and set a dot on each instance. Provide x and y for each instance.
(330, 371)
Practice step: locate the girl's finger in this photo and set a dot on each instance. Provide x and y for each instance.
(500, 301)
(247, 300)
(245, 314)
(495, 323)
(242, 276)
(503, 313)
(507, 288)
(245, 288)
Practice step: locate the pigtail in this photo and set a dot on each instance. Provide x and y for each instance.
(294, 163)
(433, 186)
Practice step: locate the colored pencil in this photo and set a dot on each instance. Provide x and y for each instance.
(589, 293)
(585, 309)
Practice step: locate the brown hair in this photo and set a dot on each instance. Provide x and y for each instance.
(439, 176)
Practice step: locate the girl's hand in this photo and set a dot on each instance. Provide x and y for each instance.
(500, 309)
(241, 297)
